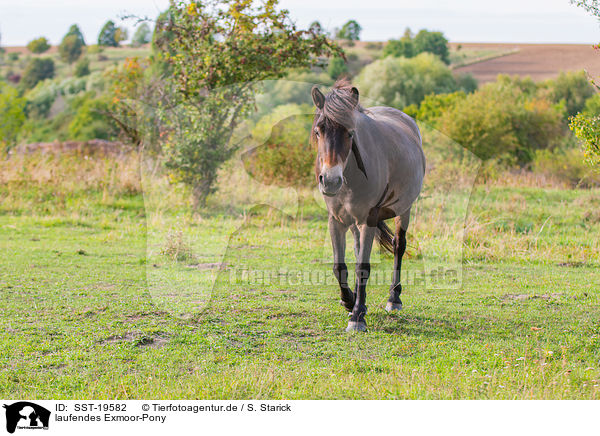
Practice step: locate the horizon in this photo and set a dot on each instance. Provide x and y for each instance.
(466, 22)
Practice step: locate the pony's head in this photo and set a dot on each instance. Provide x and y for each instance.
(332, 131)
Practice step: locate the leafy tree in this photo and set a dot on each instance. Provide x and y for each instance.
(107, 35)
(284, 155)
(37, 69)
(587, 128)
(337, 67)
(572, 88)
(592, 106)
(215, 75)
(82, 67)
(500, 121)
(434, 106)
(74, 30)
(142, 35)
(38, 45)
(12, 114)
(70, 49)
(403, 47)
(350, 31)
(121, 34)
(400, 82)
(91, 120)
(432, 42)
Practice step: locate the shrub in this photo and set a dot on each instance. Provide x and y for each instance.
(14, 56)
(337, 67)
(399, 82)
(70, 48)
(592, 106)
(572, 88)
(402, 47)
(587, 129)
(566, 165)
(91, 120)
(37, 69)
(12, 114)
(82, 67)
(285, 156)
(38, 45)
(432, 42)
(503, 122)
(434, 106)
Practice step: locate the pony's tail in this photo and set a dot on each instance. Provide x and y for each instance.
(385, 236)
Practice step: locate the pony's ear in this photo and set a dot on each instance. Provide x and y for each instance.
(354, 92)
(318, 97)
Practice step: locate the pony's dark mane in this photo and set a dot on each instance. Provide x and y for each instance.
(341, 103)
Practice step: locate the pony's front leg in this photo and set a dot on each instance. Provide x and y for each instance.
(363, 269)
(338, 231)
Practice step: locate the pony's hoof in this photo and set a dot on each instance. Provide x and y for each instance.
(356, 326)
(390, 307)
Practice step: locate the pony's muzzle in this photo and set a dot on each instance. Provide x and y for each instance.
(331, 181)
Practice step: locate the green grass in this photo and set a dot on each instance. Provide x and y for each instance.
(81, 317)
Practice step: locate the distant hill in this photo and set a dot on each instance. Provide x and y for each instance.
(539, 61)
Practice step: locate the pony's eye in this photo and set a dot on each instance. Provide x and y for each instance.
(317, 134)
(350, 133)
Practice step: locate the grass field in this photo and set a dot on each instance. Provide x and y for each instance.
(79, 319)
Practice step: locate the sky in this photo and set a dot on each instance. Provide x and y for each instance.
(541, 21)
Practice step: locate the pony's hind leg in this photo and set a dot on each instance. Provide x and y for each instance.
(337, 232)
(394, 302)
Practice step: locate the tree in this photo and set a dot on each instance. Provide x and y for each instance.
(82, 67)
(432, 42)
(350, 31)
(37, 69)
(142, 35)
(400, 82)
(403, 47)
(337, 67)
(573, 89)
(70, 49)
(121, 34)
(12, 114)
(74, 30)
(217, 52)
(587, 128)
(107, 35)
(38, 45)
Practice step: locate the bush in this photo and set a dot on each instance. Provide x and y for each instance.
(12, 114)
(337, 67)
(14, 56)
(82, 67)
(571, 88)
(399, 82)
(402, 47)
(424, 42)
(587, 129)
(566, 165)
(592, 106)
(503, 122)
(285, 156)
(432, 42)
(91, 120)
(37, 69)
(38, 45)
(70, 48)
(434, 106)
